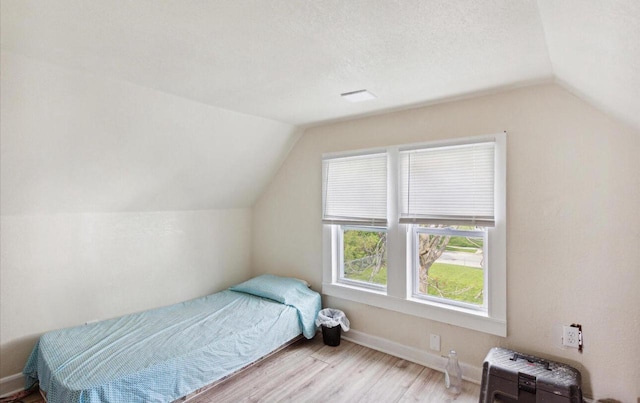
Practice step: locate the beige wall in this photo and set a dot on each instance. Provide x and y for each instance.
(573, 227)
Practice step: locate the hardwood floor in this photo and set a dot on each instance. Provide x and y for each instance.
(309, 371)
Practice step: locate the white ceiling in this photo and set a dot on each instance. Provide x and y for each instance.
(289, 60)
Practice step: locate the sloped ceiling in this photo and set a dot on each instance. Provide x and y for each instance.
(255, 70)
(73, 142)
(594, 47)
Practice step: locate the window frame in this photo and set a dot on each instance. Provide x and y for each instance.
(398, 295)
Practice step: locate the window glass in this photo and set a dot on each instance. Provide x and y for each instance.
(364, 255)
(450, 263)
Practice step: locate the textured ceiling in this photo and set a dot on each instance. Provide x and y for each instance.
(289, 60)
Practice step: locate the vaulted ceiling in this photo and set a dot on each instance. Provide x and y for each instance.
(289, 60)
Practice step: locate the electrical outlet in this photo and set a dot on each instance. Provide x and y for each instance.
(434, 342)
(571, 337)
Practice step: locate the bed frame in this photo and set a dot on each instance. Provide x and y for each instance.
(219, 381)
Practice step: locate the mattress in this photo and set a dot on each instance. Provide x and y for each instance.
(166, 353)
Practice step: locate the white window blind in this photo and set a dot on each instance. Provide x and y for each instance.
(354, 190)
(451, 185)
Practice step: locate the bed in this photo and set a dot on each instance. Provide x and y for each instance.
(168, 353)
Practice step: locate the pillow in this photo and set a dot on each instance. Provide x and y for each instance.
(288, 291)
(270, 286)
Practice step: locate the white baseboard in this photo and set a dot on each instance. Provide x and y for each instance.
(11, 384)
(470, 373)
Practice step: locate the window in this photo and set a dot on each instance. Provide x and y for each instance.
(364, 256)
(448, 264)
(447, 196)
(354, 190)
(420, 229)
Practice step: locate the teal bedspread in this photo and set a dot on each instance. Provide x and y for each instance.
(166, 353)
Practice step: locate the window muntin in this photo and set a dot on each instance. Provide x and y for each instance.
(449, 265)
(363, 257)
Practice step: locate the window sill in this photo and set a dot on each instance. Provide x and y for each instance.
(457, 316)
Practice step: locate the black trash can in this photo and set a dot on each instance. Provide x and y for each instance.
(333, 322)
(331, 335)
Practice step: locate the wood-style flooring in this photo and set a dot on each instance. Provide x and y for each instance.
(309, 371)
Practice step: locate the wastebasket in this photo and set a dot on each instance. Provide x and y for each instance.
(331, 335)
(332, 321)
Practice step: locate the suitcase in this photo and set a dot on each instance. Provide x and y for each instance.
(509, 376)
